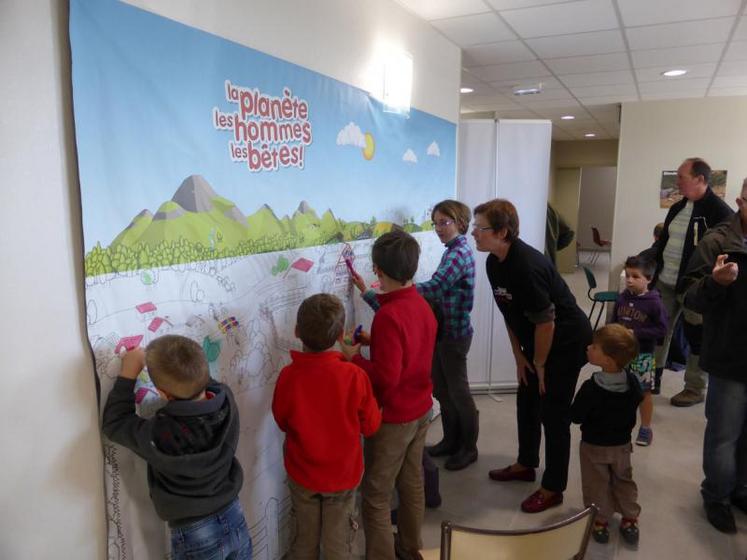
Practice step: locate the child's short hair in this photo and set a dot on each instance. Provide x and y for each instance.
(320, 321)
(618, 343)
(396, 254)
(177, 365)
(500, 213)
(644, 264)
(455, 210)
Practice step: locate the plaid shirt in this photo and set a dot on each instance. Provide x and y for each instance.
(452, 285)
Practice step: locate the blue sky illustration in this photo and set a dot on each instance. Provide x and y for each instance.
(144, 88)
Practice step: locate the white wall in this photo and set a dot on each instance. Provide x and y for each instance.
(658, 135)
(596, 204)
(51, 479)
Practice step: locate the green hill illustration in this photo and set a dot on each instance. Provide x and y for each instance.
(198, 224)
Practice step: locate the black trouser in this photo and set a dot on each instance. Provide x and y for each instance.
(451, 389)
(553, 411)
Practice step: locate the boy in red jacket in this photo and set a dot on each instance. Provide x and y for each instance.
(403, 336)
(323, 404)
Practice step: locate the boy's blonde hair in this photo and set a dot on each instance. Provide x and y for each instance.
(617, 343)
(177, 366)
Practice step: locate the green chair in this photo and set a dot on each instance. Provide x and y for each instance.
(598, 297)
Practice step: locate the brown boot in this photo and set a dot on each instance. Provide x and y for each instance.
(687, 397)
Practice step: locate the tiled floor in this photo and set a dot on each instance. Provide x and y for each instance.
(673, 525)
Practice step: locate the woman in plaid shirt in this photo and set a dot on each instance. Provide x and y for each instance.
(452, 289)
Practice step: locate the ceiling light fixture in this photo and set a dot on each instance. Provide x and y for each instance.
(674, 73)
(567, 117)
(528, 90)
(466, 90)
(590, 135)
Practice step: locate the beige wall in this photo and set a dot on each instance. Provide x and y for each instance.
(585, 153)
(565, 200)
(658, 135)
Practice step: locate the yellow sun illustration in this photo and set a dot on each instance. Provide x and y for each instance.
(370, 149)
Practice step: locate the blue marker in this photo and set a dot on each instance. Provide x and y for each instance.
(357, 333)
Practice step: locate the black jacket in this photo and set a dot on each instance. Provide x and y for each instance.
(606, 418)
(707, 212)
(724, 308)
(189, 447)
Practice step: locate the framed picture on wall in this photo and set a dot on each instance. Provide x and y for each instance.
(669, 194)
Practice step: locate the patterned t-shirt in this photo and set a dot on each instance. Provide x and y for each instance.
(675, 245)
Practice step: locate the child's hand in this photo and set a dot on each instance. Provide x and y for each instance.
(133, 363)
(349, 350)
(358, 282)
(725, 273)
(364, 338)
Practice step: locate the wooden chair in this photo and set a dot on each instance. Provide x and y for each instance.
(601, 298)
(565, 540)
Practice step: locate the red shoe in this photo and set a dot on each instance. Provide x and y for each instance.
(504, 475)
(537, 502)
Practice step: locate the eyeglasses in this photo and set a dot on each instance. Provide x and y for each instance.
(442, 223)
(475, 227)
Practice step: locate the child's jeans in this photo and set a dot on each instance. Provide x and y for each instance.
(220, 536)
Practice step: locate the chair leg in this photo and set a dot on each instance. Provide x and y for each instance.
(599, 316)
(593, 305)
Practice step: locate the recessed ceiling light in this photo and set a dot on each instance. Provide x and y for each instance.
(674, 73)
(590, 135)
(567, 117)
(466, 90)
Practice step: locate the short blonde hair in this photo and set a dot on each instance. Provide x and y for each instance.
(618, 343)
(177, 365)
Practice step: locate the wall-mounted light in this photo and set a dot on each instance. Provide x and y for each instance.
(590, 135)
(674, 73)
(466, 90)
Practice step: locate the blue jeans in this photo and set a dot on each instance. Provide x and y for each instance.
(221, 536)
(725, 442)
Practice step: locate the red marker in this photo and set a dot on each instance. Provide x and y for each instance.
(349, 264)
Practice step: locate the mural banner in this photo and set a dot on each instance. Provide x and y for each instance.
(220, 186)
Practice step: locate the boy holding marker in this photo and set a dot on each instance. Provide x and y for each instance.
(402, 340)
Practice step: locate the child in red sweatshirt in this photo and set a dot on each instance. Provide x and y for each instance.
(403, 336)
(323, 403)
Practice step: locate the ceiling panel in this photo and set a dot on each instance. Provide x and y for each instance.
(560, 135)
(506, 86)
(679, 34)
(593, 63)
(440, 9)
(730, 82)
(720, 92)
(512, 4)
(603, 91)
(593, 42)
(694, 71)
(515, 71)
(740, 34)
(678, 56)
(608, 99)
(737, 51)
(598, 78)
(687, 94)
(473, 30)
(674, 86)
(496, 53)
(733, 68)
(553, 104)
(646, 12)
(562, 19)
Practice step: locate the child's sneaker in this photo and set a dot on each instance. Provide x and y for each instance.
(629, 531)
(600, 533)
(645, 436)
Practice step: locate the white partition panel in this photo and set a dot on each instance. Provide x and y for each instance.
(508, 159)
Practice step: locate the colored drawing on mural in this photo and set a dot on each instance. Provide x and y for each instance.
(220, 187)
